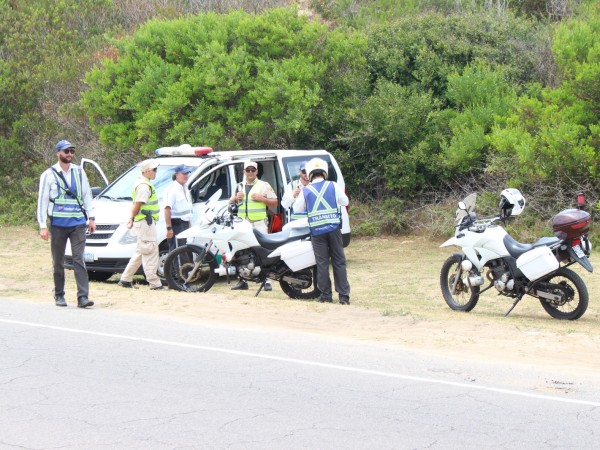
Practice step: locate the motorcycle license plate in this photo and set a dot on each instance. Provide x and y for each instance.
(579, 251)
(89, 257)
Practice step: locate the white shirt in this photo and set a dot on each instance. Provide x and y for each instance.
(288, 194)
(341, 198)
(178, 199)
(49, 190)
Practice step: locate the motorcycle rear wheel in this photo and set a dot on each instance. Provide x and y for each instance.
(577, 299)
(297, 292)
(465, 297)
(182, 261)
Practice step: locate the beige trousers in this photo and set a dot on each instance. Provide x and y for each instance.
(146, 254)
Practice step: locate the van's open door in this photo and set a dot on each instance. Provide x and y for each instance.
(96, 177)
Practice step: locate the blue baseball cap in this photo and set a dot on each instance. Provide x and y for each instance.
(182, 168)
(61, 145)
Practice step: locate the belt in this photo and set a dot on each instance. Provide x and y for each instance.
(177, 221)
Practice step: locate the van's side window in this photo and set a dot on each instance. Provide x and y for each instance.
(292, 166)
(215, 181)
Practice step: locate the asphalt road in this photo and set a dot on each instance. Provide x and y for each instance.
(98, 379)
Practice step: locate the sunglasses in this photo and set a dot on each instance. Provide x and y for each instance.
(155, 169)
(303, 172)
(66, 151)
(250, 170)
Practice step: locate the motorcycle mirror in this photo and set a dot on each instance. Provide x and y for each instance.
(461, 205)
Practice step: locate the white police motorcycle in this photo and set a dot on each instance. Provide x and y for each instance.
(515, 269)
(224, 244)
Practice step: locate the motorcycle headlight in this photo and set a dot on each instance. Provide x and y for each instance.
(128, 238)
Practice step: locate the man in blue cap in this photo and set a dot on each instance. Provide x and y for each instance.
(177, 206)
(291, 192)
(65, 197)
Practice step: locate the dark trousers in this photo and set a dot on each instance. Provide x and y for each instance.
(330, 246)
(58, 244)
(178, 226)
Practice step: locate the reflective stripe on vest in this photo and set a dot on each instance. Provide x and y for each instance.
(321, 205)
(294, 215)
(250, 209)
(66, 211)
(151, 206)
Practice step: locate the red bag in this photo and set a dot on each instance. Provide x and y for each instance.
(276, 223)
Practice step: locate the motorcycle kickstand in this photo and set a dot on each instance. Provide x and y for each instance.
(260, 288)
(513, 305)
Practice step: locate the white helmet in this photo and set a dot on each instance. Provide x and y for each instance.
(316, 165)
(512, 202)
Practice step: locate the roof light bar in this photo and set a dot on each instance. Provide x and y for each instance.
(183, 150)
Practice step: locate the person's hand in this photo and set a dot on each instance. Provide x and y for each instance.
(239, 196)
(130, 223)
(44, 233)
(296, 192)
(169, 234)
(92, 226)
(258, 197)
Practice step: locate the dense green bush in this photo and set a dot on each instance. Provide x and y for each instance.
(227, 81)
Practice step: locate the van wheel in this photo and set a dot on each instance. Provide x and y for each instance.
(160, 271)
(99, 276)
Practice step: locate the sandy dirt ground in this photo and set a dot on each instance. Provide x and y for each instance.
(529, 337)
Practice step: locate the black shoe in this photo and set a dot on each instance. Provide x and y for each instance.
(268, 286)
(344, 300)
(84, 302)
(323, 299)
(158, 288)
(125, 284)
(60, 300)
(240, 286)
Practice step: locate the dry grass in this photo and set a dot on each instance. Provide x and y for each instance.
(388, 275)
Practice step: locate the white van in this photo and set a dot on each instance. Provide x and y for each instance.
(109, 249)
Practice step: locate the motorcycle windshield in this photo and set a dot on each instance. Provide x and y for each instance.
(469, 206)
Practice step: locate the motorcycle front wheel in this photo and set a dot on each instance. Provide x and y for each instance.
(464, 297)
(571, 289)
(191, 270)
(301, 285)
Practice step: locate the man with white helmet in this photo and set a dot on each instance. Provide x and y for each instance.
(321, 200)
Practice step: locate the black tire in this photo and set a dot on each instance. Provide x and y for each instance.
(99, 276)
(296, 291)
(465, 297)
(181, 261)
(160, 271)
(576, 303)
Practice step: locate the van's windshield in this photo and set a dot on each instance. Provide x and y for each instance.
(122, 187)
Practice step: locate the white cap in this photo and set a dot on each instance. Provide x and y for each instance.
(148, 164)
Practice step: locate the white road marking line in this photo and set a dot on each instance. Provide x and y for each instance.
(308, 363)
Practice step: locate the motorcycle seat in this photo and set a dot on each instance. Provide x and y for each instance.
(274, 240)
(516, 249)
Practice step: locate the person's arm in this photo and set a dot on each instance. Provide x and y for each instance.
(288, 196)
(43, 202)
(169, 203)
(167, 213)
(135, 209)
(300, 203)
(340, 196)
(267, 196)
(143, 193)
